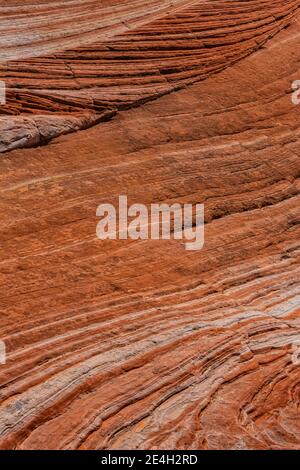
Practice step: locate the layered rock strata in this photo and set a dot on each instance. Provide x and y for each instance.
(176, 44)
(141, 344)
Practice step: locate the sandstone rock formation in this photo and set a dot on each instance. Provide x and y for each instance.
(143, 51)
(141, 344)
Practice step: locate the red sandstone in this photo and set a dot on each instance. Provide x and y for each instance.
(141, 344)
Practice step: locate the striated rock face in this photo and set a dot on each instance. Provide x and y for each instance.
(44, 26)
(142, 344)
(143, 50)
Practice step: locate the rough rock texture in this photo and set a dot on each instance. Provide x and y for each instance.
(44, 26)
(141, 344)
(130, 63)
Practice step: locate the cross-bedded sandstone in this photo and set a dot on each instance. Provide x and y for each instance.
(143, 51)
(140, 344)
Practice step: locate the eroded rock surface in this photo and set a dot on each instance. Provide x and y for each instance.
(143, 50)
(141, 344)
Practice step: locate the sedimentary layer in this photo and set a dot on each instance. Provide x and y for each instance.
(33, 27)
(141, 344)
(123, 55)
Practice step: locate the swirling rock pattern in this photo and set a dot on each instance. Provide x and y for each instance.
(129, 64)
(141, 344)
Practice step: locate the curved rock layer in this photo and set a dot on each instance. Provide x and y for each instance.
(142, 344)
(129, 64)
(32, 27)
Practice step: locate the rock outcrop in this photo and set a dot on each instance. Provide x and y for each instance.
(142, 344)
(144, 50)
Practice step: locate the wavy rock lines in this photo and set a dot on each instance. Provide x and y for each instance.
(76, 88)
